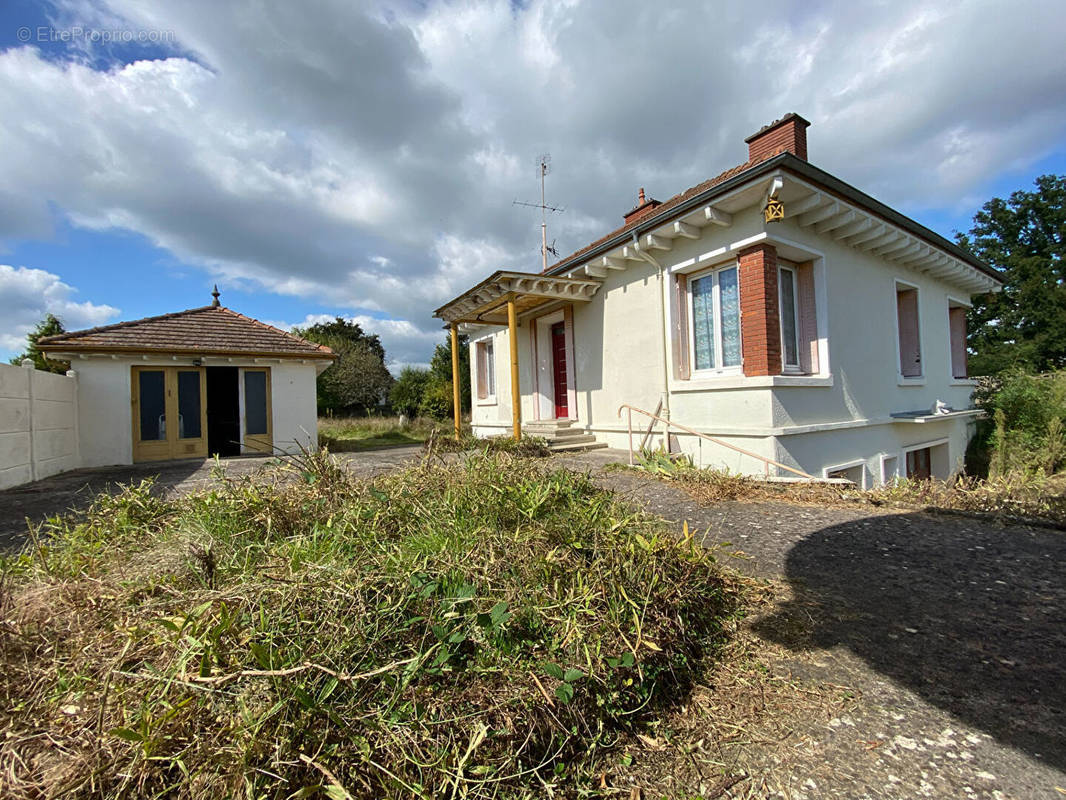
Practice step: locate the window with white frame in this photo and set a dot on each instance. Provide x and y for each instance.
(714, 311)
(788, 305)
(486, 370)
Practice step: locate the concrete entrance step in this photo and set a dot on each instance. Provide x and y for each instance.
(573, 444)
(552, 436)
(542, 427)
(561, 436)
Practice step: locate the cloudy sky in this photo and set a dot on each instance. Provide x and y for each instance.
(361, 159)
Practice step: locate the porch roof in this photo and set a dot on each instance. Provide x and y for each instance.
(486, 303)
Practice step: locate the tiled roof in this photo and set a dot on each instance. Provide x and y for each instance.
(210, 329)
(664, 208)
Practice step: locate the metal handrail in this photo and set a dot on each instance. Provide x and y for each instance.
(767, 462)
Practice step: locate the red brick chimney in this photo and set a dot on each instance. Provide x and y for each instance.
(644, 207)
(788, 134)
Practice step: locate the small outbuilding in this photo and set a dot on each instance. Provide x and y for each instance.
(190, 384)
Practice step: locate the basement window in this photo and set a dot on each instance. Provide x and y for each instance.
(909, 335)
(486, 370)
(854, 471)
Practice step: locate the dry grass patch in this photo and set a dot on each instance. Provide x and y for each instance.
(737, 732)
(1031, 497)
(481, 628)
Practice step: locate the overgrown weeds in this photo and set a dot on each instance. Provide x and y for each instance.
(1033, 496)
(1023, 432)
(481, 628)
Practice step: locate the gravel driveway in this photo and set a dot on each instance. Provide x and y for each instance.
(951, 629)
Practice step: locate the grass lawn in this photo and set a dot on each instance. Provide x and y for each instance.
(349, 434)
(484, 627)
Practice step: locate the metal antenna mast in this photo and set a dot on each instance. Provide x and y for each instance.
(543, 168)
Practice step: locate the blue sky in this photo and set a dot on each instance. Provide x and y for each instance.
(361, 161)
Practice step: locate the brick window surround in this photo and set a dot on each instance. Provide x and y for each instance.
(760, 326)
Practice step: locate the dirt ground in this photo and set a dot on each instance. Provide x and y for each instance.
(950, 631)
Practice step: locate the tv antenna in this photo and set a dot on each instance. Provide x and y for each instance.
(544, 163)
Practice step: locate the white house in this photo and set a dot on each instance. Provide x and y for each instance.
(189, 384)
(774, 308)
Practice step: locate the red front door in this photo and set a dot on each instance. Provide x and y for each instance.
(559, 370)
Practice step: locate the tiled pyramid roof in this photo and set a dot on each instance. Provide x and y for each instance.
(210, 329)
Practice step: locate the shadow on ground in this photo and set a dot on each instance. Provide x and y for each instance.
(971, 617)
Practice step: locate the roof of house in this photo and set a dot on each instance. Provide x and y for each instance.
(661, 211)
(779, 158)
(209, 329)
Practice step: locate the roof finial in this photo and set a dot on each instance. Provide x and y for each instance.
(214, 294)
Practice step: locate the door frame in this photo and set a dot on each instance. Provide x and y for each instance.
(171, 448)
(557, 332)
(256, 443)
(542, 367)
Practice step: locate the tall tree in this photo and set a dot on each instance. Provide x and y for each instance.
(341, 328)
(357, 382)
(1023, 237)
(408, 391)
(49, 326)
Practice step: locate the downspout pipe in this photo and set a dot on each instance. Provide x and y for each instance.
(662, 322)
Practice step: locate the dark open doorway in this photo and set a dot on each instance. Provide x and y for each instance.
(223, 412)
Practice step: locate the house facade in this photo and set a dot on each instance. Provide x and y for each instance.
(190, 384)
(775, 308)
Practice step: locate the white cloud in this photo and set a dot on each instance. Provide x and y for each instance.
(27, 295)
(367, 157)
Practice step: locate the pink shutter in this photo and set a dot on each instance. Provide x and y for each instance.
(535, 361)
(957, 326)
(482, 358)
(808, 323)
(681, 354)
(910, 353)
(571, 361)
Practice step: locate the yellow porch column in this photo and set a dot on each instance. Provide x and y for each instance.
(516, 398)
(456, 394)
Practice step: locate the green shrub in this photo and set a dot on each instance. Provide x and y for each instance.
(1024, 431)
(437, 400)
